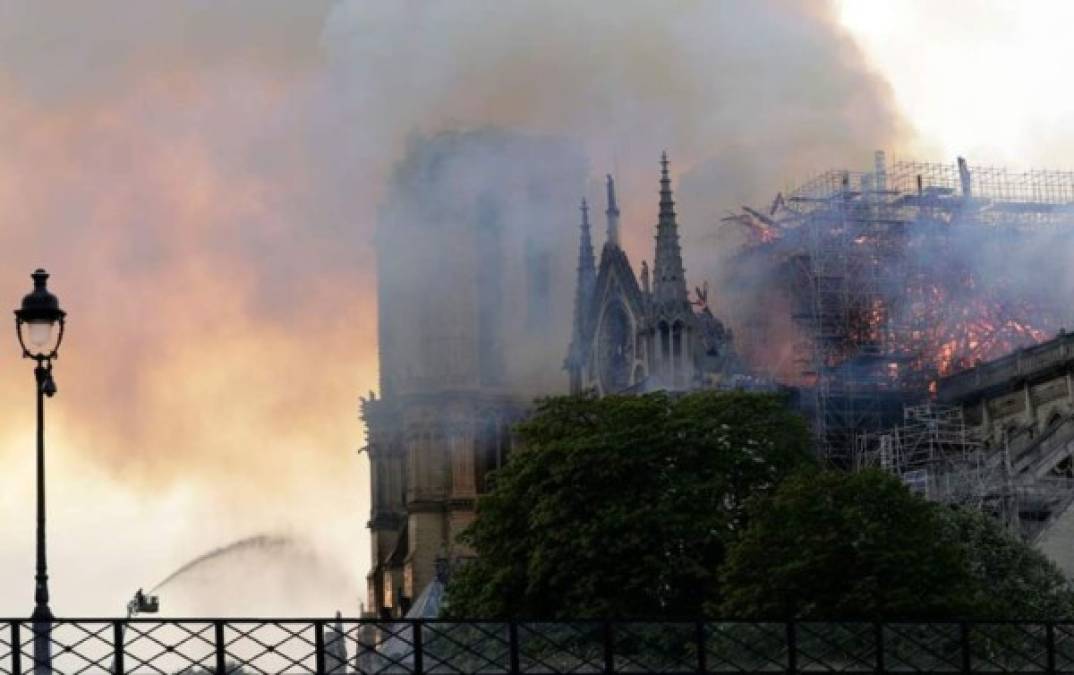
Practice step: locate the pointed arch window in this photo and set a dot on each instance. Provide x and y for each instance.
(616, 345)
(487, 449)
(677, 351)
(665, 341)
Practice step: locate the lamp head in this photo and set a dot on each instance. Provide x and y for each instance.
(39, 320)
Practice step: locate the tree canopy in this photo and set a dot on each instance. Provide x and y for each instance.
(624, 506)
(1009, 578)
(836, 545)
(843, 545)
(662, 506)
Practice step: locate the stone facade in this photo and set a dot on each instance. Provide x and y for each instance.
(1021, 400)
(430, 457)
(1021, 408)
(636, 334)
(474, 255)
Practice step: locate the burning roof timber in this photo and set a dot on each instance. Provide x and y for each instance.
(1031, 365)
(913, 271)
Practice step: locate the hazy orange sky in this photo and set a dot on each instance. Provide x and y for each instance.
(202, 178)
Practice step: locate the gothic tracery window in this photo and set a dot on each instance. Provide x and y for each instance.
(677, 352)
(616, 344)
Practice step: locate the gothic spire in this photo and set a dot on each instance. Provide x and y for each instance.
(587, 268)
(669, 278)
(612, 215)
(587, 281)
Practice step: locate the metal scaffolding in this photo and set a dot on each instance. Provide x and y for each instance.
(860, 256)
(937, 457)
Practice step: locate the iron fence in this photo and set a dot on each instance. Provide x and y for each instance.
(416, 647)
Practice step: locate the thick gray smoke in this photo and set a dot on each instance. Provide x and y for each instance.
(65, 54)
(203, 180)
(476, 251)
(939, 274)
(742, 95)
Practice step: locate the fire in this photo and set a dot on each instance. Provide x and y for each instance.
(892, 297)
(959, 328)
(758, 231)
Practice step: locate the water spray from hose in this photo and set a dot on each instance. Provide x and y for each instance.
(260, 541)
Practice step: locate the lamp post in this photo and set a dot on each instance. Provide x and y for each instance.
(39, 325)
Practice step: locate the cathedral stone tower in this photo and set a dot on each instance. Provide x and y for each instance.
(633, 335)
(474, 257)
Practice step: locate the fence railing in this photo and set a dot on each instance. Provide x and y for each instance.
(337, 646)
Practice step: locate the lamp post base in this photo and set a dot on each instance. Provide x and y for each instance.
(42, 613)
(42, 630)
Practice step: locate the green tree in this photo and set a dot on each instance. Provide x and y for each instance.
(623, 506)
(1009, 579)
(835, 545)
(842, 545)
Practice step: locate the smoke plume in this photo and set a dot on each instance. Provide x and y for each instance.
(203, 180)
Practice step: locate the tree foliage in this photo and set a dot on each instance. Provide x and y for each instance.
(836, 545)
(663, 506)
(1009, 579)
(623, 505)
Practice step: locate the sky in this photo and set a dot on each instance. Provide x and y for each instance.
(979, 78)
(202, 179)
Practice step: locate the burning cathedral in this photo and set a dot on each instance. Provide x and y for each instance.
(920, 310)
(897, 303)
(475, 254)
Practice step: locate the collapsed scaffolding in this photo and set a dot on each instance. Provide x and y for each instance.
(881, 303)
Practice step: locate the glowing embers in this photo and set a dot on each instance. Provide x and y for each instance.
(959, 327)
(877, 274)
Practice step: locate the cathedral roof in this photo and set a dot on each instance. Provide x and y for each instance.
(614, 266)
(615, 273)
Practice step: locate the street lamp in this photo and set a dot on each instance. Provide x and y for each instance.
(39, 326)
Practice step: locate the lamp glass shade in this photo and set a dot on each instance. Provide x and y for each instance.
(39, 333)
(39, 336)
